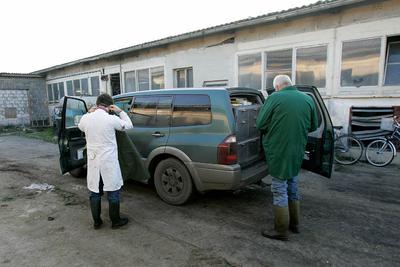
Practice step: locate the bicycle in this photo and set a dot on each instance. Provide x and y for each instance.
(348, 149)
(382, 151)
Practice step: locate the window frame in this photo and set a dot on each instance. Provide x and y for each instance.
(387, 45)
(50, 98)
(136, 76)
(264, 67)
(294, 49)
(185, 69)
(359, 89)
(63, 89)
(90, 81)
(135, 80)
(294, 74)
(151, 77)
(72, 87)
(262, 74)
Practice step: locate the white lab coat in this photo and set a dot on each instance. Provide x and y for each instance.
(102, 151)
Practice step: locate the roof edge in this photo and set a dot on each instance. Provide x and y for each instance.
(20, 75)
(263, 19)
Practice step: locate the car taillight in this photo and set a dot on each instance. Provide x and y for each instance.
(227, 153)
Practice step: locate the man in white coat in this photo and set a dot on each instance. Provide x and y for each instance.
(104, 173)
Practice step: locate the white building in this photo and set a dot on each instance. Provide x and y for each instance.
(349, 49)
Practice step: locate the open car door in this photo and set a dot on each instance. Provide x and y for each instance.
(319, 150)
(71, 141)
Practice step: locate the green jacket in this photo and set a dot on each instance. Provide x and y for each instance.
(285, 120)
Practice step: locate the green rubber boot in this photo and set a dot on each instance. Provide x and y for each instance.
(116, 220)
(294, 214)
(95, 207)
(281, 219)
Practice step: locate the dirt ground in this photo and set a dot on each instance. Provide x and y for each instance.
(350, 220)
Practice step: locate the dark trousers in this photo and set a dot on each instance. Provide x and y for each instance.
(112, 196)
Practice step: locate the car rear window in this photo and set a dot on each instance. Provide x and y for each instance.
(190, 110)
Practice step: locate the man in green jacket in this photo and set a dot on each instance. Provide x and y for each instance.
(285, 120)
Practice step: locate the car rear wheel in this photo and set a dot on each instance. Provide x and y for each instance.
(173, 182)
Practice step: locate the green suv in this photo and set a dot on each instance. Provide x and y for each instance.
(196, 139)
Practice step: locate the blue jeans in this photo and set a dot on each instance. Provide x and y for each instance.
(112, 196)
(284, 190)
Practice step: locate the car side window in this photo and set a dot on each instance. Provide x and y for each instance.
(190, 110)
(151, 111)
(124, 103)
(164, 111)
(74, 111)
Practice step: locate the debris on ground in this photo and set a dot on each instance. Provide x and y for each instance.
(41, 187)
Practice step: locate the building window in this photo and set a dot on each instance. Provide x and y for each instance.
(50, 96)
(56, 95)
(85, 86)
(77, 87)
(95, 85)
(392, 72)
(157, 78)
(183, 77)
(249, 71)
(130, 81)
(10, 113)
(311, 66)
(143, 80)
(360, 62)
(70, 88)
(61, 89)
(53, 92)
(190, 110)
(277, 62)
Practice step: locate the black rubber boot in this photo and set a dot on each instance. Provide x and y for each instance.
(95, 207)
(116, 220)
(281, 219)
(294, 214)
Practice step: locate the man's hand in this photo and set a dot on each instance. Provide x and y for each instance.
(114, 109)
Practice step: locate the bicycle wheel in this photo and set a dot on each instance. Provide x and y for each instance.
(380, 152)
(348, 150)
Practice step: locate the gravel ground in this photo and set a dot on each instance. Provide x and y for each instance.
(349, 220)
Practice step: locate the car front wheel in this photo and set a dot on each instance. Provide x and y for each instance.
(173, 182)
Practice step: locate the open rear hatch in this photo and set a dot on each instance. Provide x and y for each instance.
(246, 104)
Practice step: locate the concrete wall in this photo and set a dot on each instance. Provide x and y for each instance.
(29, 96)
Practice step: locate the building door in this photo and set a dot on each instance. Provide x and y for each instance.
(115, 83)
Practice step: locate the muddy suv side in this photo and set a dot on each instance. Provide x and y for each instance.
(199, 139)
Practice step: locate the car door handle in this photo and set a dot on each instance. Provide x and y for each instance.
(158, 134)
